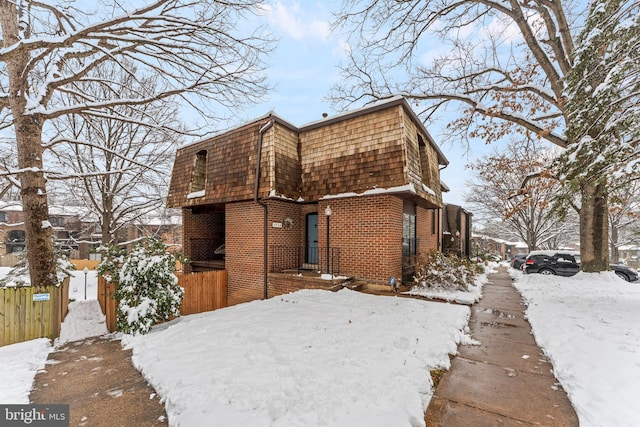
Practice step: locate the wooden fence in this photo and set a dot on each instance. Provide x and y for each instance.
(32, 312)
(9, 260)
(204, 291)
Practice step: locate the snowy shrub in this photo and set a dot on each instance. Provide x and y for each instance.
(435, 270)
(19, 274)
(148, 289)
(111, 260)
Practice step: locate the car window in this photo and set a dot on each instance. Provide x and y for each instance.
(566, 258)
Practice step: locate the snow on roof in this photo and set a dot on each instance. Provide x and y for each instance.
(552, 252)
(11, 207)
(403, 188)
(629, 248)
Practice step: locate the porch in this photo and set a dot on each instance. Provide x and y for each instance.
(284, 259)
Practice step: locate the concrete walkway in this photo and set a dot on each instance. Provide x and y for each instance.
(96, 379)
(505, 381)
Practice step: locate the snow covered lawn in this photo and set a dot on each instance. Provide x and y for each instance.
(18, 366)
(589, 326)
(303, 359)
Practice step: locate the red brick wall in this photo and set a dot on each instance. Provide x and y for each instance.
(244, 251)
(368, 230)
(285, 236)
(426, 240)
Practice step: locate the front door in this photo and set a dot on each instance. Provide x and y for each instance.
(312, 239)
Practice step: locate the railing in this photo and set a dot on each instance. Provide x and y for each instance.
(283, 258)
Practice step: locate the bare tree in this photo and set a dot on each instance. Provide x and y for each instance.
(497, 193)
(51, 50)
(503, 62)
(117, 169)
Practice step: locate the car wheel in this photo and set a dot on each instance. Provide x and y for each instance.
(622, 276)
(547, 272)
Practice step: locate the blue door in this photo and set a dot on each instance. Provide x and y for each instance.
(312, 238)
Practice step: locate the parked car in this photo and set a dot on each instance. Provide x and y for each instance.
(624, 272)
(551, 263)
(563, 263)
(518, 260)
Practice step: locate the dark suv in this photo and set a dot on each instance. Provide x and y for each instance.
(551, 262)
(518, 260)
(567, 264)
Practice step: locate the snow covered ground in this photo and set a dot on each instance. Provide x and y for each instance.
(20, 362)
(589, 326)
(18, 366)
(304, 359)
(352, 359)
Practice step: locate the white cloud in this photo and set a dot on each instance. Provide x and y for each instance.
(342, 50)
(294, 22)
(505, 29)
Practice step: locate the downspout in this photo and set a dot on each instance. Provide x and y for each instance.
(265, 220)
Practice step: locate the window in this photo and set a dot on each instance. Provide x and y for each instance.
(56, 221)
(199, 176)
(433, 221)
(408, 229)
(16, 236)
(3, 217)
(424, 161)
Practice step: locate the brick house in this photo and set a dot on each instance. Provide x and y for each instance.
(67, 223)
(456, 230)
(356, 194)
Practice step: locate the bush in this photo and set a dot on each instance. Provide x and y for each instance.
(437, 271)
(111, 260)
(147, 290)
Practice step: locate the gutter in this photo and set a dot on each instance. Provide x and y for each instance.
(265, 220)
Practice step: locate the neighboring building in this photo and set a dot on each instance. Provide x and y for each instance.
(164, 224)
(456, 231)
(499, 248)
(67, 223)
(630, 255)
(78, 235)
(357, 194)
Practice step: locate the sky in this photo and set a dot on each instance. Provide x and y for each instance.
(303, 68)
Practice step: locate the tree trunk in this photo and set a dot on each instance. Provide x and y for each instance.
(39, 238)
(28, 131)
(594, 227)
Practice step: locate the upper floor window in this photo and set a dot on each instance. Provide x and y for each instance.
(3, 217)
(424, 159)
(199, 176)
(16, 236)
(56, 221)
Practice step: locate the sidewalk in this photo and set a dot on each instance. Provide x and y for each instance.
(96, 378)
(506, 380)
